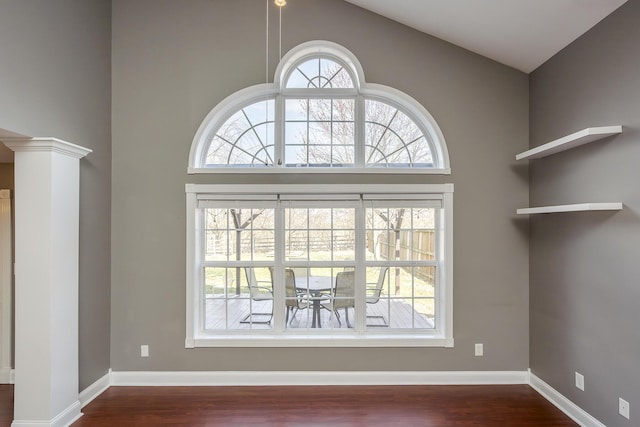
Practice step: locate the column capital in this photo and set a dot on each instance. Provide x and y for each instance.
(21, 144)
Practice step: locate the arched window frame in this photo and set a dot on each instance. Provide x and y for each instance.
(277, 91)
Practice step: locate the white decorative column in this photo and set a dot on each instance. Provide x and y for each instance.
(6, 285)
(46, 201)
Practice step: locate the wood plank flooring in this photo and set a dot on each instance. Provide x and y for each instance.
(6, 404)
(335, 406)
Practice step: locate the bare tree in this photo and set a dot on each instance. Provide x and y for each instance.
(393, 218)
(391, 136)
(240, 226)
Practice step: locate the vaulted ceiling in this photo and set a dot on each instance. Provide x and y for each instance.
(520, 33)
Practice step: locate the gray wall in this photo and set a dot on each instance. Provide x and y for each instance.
(55, 80)
(174, 61)
(584, 266)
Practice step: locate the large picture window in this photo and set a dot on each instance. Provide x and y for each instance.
(319, 265)
(319, 115)
(315, 263)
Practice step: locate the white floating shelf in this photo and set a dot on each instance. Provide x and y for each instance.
(579, 207)
(570, 141)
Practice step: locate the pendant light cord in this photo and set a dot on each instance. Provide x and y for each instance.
(280, 37)
(266, 50)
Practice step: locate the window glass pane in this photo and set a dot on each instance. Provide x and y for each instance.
(297, 79)
(344, 244)
(320, 110)
(310, 70)
(232, 303)
(296, 155)
(216, 237)
(424, 236)
(393, 139)
(312, 306)
(319, 132)
(342, 110)
(343, 219)
(245, 139)
(329, 236)
(296, 109)
(385, 237)
(404, 127)
(320, 234)
(319, 245)
(400, 296)
(239, 234)
(400, 234)
(320, 74)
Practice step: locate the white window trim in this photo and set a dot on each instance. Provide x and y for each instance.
(221, 112)
(441, 337)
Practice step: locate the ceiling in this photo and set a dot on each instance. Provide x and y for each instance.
(520, 33)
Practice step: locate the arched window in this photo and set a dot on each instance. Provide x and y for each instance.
(320, 115)
(279, 264)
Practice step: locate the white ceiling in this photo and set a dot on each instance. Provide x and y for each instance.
(520, 33)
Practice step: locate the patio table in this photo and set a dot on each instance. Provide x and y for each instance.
(315, 286)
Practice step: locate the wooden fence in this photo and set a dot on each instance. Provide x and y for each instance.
(416, 245)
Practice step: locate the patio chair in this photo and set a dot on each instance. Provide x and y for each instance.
(295, 299)
(342, 295)
(373, 297)
(258, 293)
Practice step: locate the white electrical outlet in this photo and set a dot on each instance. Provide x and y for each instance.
(144, 351)
(623, 407)
(580, 381)
(479, 349)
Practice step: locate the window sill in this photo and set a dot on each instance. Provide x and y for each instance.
(319, 170)
(329, 341)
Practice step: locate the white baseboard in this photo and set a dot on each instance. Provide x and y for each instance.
(572, 410)
(280, 378)
(6, 375)
(95, 389)
(63, 419)
(276, 378)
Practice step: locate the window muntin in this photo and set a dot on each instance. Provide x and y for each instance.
(393, 139)
(319, 132)
(320, 73)
(246, 139)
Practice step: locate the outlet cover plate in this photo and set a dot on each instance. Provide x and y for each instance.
(623, 407)
(580, 381)
(479, 349)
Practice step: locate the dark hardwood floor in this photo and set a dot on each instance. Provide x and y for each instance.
(335, 406)
(6, 404)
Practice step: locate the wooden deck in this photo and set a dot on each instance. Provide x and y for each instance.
(395, 313)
